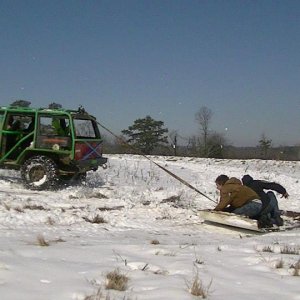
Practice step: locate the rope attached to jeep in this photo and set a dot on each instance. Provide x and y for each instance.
(158, 165)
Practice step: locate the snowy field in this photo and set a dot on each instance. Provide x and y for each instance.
(136, 220)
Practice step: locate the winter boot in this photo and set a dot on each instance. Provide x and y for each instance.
(264, 221)
(278, 220)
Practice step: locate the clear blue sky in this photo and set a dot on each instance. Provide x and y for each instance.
(127, 59)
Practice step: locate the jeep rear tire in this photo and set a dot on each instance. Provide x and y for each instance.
(39, 173)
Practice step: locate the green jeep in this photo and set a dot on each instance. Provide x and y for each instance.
(49, 145)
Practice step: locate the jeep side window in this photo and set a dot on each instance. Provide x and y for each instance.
(46, 126)
(57, 126)
(13, 123)
(28, 124)
(84, 128)
(60, 126)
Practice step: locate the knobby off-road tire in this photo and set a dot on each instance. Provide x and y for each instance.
(39, 173)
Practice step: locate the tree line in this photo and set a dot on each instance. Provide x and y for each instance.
(148, 136)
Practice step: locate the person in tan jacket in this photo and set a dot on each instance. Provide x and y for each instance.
(236, 197)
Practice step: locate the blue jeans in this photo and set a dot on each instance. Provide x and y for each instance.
(250, 209)
(272, 207)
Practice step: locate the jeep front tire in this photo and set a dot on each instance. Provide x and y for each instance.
(39, 173)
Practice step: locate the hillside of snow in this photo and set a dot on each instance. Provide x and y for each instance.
(138, 220)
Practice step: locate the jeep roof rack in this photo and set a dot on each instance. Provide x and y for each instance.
(20, 103)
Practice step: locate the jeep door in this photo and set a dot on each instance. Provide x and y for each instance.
(54, 133)
(16, 134)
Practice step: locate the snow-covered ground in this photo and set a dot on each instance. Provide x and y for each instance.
(148, 230)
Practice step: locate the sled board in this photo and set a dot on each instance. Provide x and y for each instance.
(229, 219)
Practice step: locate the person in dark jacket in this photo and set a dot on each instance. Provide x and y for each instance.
(269, 201)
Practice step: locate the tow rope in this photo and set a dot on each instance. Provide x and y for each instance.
(158, 165)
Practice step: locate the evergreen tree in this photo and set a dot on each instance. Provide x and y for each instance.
(265, 145)
(146, 134)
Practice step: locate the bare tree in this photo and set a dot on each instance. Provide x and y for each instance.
(210, 143)
(203, 118)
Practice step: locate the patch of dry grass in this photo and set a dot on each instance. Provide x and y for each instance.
(34, 207)
(199, 261)
(165, 253)
(171, 199)
(96, 220)
(98, 195)
(296, 272)
(50, 221)
(279, 264)
(6, 206)
(59, 240)
(267, 249)
(289, 250)
(41, 241)
(155, 242)
(19, 209)
(196, 288)
(115, 280)
(296, 267)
